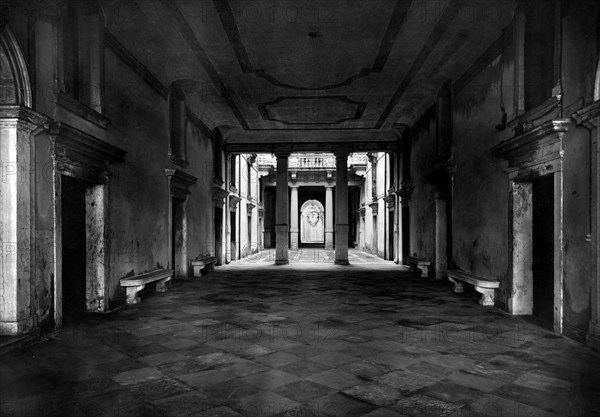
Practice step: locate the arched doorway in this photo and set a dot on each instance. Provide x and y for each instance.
(312, 222)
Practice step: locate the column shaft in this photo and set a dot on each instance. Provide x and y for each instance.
(294, 218)
(17, 225)
(328, 217)
(341, 209)
(281, 211)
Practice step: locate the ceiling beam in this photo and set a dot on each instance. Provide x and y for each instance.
(271, 141)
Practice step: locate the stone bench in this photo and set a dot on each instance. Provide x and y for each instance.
(137, 283)
(207, 262)
(420, 264)
(485, 286)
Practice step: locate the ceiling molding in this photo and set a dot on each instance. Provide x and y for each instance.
(266, 115)
(450, 13)
(231, 29)
(484, 60)
(134, 64)
(190, 38)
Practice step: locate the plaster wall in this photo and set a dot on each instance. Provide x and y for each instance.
(578, 70)
(422, 207)
(480, 206)
(139, 195)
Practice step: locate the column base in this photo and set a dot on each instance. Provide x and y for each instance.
(281, 244)
(328, 240)
(342, 262)
(16, 328)
(294, 238)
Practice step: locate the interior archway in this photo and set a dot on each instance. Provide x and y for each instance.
(15, 87)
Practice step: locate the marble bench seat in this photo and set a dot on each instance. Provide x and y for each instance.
(485, 286)
(137, 283)
(207, 262)
(420, 264)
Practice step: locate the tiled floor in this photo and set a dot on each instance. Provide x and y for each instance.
(307, 339)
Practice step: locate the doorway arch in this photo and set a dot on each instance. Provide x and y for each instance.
(15, 87)
(312, 223)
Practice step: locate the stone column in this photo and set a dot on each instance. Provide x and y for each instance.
(281, 211)
(294, 231)
(329, 217)
(341, 208)
(17, 225)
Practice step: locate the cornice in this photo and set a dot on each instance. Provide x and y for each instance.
(589, 116)
(531, 140)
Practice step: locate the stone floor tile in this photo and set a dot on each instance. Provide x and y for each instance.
(304, 391)
(162, 358)
(333, 359)
(161, 388)
(494, 406)
(270, 379)
(304, 368)
(430, 369)
(206, 378)
(382, 412)
(277, 359)
(226, 393)
(558, 402)
(264, 403)
(211, 360)
(137, 376)
(542, 382)
(451, 392)
(335, 379)
(375, 393)
(221, 411)
(418, 405)
(183, 404)
(106, 404)
(479, 382)
(340, 405)
(405, 380)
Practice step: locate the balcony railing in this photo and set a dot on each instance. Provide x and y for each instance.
(309, 162)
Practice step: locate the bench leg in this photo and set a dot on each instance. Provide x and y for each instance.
(132, 297)
(198, 270)
(458, 286)
(161, 286)
(487, 296)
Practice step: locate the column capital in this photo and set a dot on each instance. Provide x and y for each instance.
(341, 154)
(329, 186)
(294, 187)
(281, 154)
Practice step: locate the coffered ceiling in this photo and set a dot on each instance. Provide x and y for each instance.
(263, 67)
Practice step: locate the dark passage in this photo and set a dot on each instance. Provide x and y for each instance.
(177, 219)
(73, 248)
(543, 248)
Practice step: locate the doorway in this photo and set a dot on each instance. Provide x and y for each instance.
(232, 223)
(543, 249)
(74, 265)
(178, 234)
(219, 235)
(391, 237)
(405, 232)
